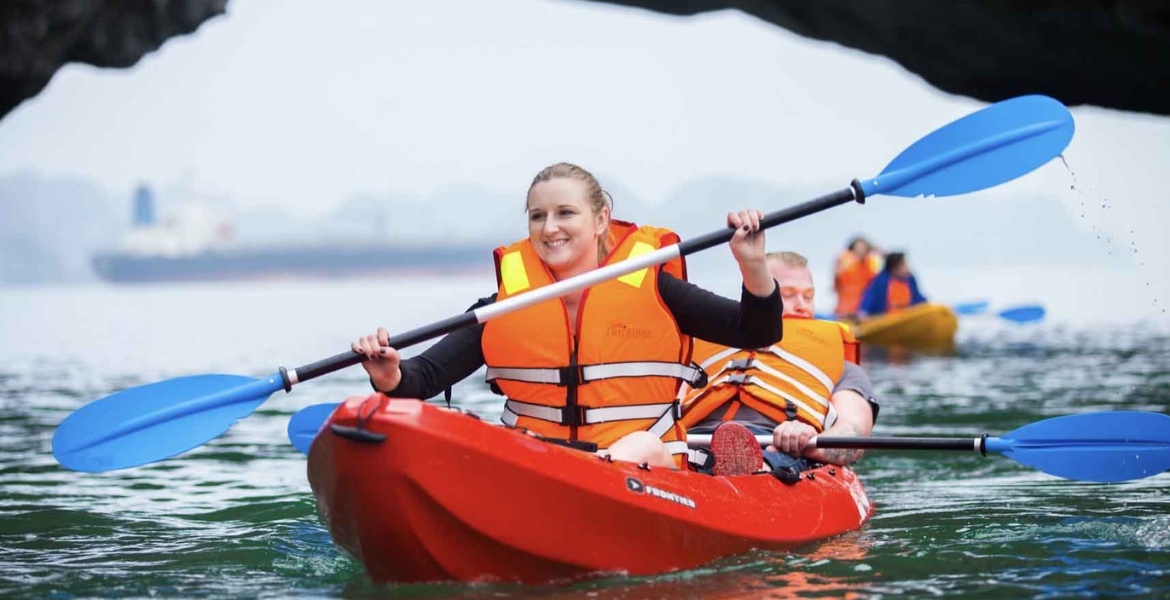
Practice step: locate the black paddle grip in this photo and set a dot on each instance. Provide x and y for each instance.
(899, 443)
(405, 340)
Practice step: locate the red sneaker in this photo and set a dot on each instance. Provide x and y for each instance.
(736, 450)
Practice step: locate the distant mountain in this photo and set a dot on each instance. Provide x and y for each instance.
(454, 214)
(50, 226)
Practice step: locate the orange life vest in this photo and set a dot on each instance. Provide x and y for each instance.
(850, 278)
(792, 379)
(897, 295)
(620, 374)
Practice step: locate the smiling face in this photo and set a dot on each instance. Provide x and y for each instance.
(796, 289)
(563, 227)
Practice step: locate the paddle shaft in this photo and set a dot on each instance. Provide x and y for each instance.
(899, 443)
(871, 443)
(853, 193)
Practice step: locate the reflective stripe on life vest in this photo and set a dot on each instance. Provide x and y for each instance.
(590, 416)
(792, 379)
(745, 364)
(563, 377)
(825, 407)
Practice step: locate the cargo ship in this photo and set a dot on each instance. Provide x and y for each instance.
(192, 246)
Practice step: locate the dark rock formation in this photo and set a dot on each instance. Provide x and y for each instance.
(37, 37)
(1112, 53)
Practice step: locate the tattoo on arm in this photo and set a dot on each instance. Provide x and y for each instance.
(842, 456)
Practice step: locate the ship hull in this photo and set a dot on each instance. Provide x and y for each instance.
(282, 263)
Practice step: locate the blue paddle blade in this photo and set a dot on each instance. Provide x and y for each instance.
(997, 144)
(971, 308)
(1024, 314)
(151, 422)
(306, 423)
(1101, 446)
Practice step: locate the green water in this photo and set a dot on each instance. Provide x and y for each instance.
(235, 518)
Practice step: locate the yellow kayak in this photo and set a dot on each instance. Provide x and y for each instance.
(926, 326)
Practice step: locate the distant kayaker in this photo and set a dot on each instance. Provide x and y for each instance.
(796, 389)
(892, 290)
(601, 368)
(857, 264)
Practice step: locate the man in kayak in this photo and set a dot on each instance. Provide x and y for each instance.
(803, 386)
(597, 369)
(856, 266)
(893, 289)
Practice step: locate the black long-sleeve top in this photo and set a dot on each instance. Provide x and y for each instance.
(753, 322)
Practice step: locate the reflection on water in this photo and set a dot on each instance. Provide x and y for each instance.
(235, 516)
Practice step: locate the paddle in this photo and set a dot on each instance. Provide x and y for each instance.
(1026, 313)
(142, 425)
(305, 423)
(971, 308)
(1099, 446)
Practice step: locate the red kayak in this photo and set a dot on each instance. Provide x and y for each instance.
(422, 493)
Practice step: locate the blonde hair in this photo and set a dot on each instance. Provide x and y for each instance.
(599, 199)
(791, 260)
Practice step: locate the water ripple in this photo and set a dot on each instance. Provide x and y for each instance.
(235, 518)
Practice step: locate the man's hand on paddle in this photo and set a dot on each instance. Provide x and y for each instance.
(791, 437)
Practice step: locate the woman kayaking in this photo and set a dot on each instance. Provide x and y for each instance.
(598, 368)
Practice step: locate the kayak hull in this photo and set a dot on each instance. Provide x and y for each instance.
(927, 327)
(446, 496)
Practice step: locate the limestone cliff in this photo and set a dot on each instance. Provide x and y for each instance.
(37, 37)
(1112, 53)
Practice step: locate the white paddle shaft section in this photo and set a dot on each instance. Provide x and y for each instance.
(703, 440)
(579, 282)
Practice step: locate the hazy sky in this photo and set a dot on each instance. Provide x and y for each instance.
(297, 104)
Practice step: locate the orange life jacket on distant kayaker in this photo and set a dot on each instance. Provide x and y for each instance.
(897, 295)
(850, 278)
(620, 374)
(793, 379)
